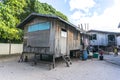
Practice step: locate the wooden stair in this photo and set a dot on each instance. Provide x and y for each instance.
(67, 60)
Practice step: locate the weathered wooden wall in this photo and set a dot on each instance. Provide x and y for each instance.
(102, 39)
(52, 37)
(39, 38)
(72, 44)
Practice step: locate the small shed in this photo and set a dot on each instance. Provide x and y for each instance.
(48, 34)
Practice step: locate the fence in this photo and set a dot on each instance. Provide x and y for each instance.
(7, 48)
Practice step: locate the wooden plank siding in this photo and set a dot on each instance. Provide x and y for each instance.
(53, 36)
(71, 43)
(37, 38)
(57, 39)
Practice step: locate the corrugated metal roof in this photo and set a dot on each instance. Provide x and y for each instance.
(104, 32)
(34, 15)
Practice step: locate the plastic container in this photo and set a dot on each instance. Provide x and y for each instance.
(95, 55)
(85, 55)
(101, 57)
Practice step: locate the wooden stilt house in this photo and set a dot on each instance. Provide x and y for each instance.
(48, 34)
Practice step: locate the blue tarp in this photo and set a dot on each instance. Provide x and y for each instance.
(39, 26)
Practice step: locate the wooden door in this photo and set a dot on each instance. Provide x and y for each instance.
(63, 41)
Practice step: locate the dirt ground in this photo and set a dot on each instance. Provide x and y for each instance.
(94, 69)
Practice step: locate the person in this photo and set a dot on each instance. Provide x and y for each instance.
(101, 52)
(115, 51)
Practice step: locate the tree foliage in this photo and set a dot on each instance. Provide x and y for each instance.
(12, 12)
(9, 12)
(42, 8)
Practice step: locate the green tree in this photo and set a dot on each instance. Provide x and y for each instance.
(9, 11)
(61, 15)
(12, 12)
(42, 8)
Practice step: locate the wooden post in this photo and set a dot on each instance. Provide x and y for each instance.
(53, 60)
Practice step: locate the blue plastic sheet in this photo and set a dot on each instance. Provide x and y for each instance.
(39, 26)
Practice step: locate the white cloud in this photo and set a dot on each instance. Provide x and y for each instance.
(65, 1)
(77, 15)
(81, 4)
(108, 21)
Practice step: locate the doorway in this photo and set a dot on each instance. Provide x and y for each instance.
(63, 41)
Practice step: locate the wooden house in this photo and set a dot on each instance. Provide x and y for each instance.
(48, 34)
(103, 39)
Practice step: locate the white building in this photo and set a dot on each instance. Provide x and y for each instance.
(118, 41)
(103, 39)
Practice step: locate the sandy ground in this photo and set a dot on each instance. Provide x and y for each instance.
(10, 69)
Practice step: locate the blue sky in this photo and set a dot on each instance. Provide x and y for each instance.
(99, 14)
(60, 5)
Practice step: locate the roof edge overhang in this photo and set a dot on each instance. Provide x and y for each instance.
(106, 32)
(34, 15)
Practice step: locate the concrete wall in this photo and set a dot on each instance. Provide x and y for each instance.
(6, 49)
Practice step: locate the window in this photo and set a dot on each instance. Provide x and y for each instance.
(111, 38)
(94, 37)
(63, 33)
(39, 26)
(81, 40)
